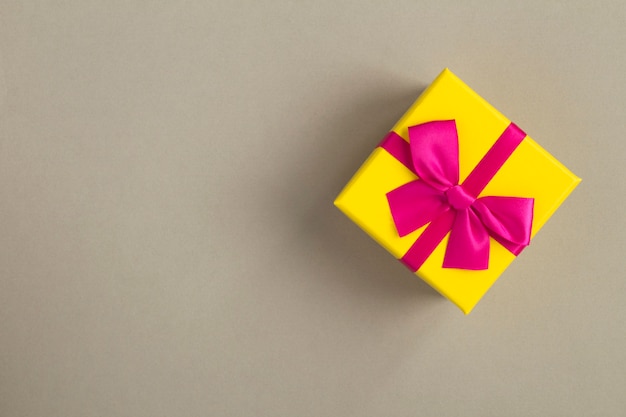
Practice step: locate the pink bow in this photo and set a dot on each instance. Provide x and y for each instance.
(437, 199)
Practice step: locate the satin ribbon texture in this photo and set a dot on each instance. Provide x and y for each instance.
(438, 200)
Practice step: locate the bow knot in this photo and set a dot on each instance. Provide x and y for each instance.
(458, 198)
(438, 200)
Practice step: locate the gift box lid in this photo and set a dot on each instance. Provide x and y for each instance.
(529, 172)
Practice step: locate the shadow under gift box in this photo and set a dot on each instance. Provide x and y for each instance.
(530, 172)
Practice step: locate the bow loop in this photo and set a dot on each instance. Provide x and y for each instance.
(435, 153)
(508, 219)
(415, 204)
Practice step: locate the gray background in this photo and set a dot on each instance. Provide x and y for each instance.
(168, 244)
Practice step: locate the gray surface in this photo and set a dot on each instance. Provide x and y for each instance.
(168, 244)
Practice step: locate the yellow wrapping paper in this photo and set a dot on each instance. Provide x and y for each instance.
(529, 172)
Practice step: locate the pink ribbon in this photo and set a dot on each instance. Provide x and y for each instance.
(437, 199)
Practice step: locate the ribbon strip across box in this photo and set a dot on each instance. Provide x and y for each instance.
(456, 191)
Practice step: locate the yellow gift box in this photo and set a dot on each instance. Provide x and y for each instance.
(529, 172)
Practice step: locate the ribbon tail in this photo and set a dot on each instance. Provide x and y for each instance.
(468, 245)
(434, 233)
